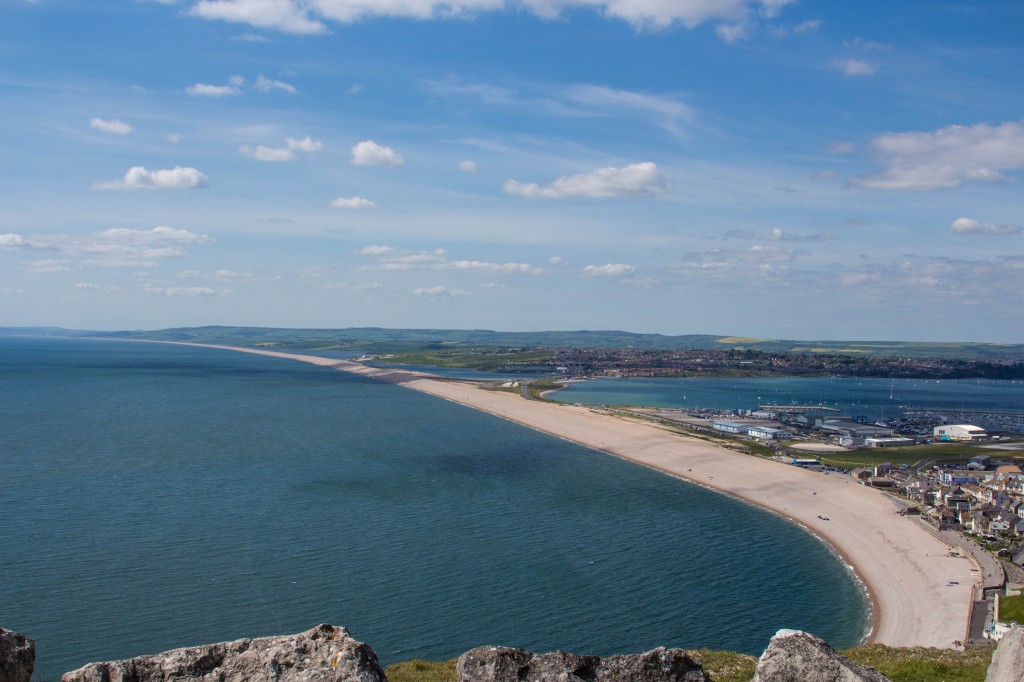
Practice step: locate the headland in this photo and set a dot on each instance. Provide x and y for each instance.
(920, 592)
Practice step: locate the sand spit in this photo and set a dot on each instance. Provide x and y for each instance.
(920, 595)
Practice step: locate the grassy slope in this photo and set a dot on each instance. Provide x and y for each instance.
(901, 665)
(866, 457)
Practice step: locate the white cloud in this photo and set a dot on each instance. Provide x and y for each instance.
(87, 285)
(730, 33)
(808, 26)
(854, 67)
(556, 260)
(280, 154)
(280, 15)
(207, 90)
(264, 84)
(972, 226)
(304, 16)
(376, 250)
(112, 126)
(190, 292)
(138, 177)
(946, 157)
(609, 270)
(352, 203)
(48, 265)
(369, 153)
(306, 144)
(468, 166)
(439, 291)
(12, 241)
(635, 180)
(494, 268)
(270, 154)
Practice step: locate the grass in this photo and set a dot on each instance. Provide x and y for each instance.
(1011, 608)
(901, 665)
(865, 457)
(536, 389)
(421, 671)
(925, 665)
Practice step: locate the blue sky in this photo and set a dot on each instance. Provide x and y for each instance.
(770, 168)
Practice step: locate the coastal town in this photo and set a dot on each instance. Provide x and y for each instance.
(972, 502)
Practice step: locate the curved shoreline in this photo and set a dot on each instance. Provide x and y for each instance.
(919, 595)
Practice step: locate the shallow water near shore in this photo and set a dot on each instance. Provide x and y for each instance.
(160, 496)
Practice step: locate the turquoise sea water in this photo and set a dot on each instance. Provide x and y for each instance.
(158, 496)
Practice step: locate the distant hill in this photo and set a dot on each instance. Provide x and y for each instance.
(377, 339)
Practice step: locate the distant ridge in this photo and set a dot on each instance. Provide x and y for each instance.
(379, 339)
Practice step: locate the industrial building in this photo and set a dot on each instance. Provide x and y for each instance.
(959, 432)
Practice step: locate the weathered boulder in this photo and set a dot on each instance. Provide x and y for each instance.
(1008, 661)
(17, 657)
(323, 654)
(795, 656)
(501, 664)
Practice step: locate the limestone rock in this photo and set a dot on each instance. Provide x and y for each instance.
(17, 657)
(1008, 660)
(323, 654)
(500, 664)
(795, 656)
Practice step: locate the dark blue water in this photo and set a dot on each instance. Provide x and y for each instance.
(872, 398)
(157, 496)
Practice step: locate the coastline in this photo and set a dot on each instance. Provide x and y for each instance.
(918, 594)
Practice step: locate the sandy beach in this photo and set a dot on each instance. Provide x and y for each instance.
(920, 595)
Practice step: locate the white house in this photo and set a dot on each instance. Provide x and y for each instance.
(959, 432)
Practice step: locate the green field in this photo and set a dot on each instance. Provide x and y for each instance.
(1011, 609)
(941, 452)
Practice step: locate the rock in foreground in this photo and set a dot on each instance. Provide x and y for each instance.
(17, 657)
(1008, 661)
(323, 654)
(795, 656)
(500, 664)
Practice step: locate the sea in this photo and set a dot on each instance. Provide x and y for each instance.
(873, 399)
(157, 496)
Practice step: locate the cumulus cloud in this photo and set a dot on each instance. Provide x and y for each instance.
(269, 154)
(468, 166)
(375, 250)
(190, 292)
(12, 241)
(112, 126)
(947, 157)
(264, 84)
(281, 15)
(307, 16)
(972, 226)
(439, 291)
(635, 180)
(280, 154)
(306, 144)
(389, 258)
(233, 87)
(352, 203)
(854, 67)
(47, 266)
(495, 268)
(609, 270)
(138, 177)
(369, 153)
(115, 247)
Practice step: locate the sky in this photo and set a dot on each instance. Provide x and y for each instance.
(792, 169)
